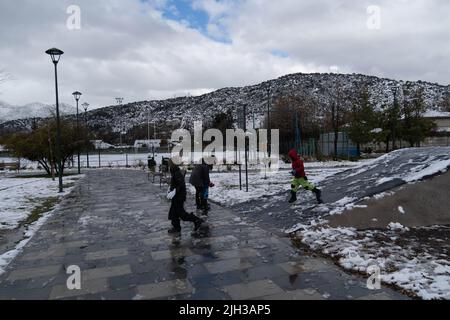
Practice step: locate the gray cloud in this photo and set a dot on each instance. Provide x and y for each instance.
(127, 48)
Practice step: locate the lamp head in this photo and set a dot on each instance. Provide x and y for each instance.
(77, 95)
(55, 54)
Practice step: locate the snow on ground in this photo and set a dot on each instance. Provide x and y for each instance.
(428, 168)
(227, 192)
(18, 198)
(106, 160)
(403, 257)
(414, 259)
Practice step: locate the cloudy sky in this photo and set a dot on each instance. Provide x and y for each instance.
(152, 49)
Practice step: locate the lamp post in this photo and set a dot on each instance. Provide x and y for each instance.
(55, 55)
(119, 102)
(85, 107)
(269, 145)
(246, 147)
(77, 96)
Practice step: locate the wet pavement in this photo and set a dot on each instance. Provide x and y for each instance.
(113, 226)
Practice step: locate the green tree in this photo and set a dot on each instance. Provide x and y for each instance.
(415, 128)
(389, 120)
(362, 120)
(223, 121)
(445, 104)
(40, 144)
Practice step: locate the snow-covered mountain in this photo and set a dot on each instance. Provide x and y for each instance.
(32, 110)
(322, 88)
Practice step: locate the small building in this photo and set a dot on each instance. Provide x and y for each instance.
(441, 135)
(101, 145)
(441, 119)
(153, 143)
(2, 148)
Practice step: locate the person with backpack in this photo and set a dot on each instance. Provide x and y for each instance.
(300, 178)
(201, 182)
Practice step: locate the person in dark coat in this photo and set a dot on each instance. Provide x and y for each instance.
(201, 182)
(300, 179)
(151, 163)
(177, 194)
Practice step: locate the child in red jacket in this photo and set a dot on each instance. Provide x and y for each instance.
(300, 178)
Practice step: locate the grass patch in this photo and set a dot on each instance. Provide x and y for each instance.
(68, 185)
(44, 206)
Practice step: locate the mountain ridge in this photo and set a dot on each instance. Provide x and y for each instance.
(322, 87)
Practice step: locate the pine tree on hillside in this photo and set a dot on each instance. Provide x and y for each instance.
(415, 128)
(362, 120)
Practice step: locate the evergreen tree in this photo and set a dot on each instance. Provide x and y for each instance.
(415, 128)
(362, 120)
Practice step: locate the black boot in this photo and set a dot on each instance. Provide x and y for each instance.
(174, 231)
(205, 207)
(293, 197)
(198, 224)
(318, 195)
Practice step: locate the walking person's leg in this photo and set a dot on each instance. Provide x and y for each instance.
(295, 185)
(198, 197)
(205, 195)
(174, 217)
(190, 217)
(311, 187)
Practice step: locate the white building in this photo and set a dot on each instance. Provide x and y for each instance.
(156, 143)
(2, 148)
(101, 145)
(442, 120)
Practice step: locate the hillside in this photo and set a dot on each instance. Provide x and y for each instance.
(181, 112)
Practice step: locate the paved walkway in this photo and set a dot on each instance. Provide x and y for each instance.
(114, 227)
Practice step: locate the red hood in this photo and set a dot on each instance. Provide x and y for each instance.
(293, 155)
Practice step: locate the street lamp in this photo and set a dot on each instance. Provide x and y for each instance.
(55, 55)
(77, 96)
(269, 139)
(85, 107)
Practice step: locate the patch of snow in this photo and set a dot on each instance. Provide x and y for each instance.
(436, 114)
(384, 180)
(16, 192)
(19, 196)
(397, 226)
(357, 250)
(430, 168)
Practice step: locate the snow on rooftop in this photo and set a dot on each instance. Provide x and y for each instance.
(436, 114)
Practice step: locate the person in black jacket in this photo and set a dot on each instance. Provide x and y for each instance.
(177, 194)
(201, 181)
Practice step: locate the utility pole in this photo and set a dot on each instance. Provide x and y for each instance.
(86, 106)
(269, 144)
(246, 148)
